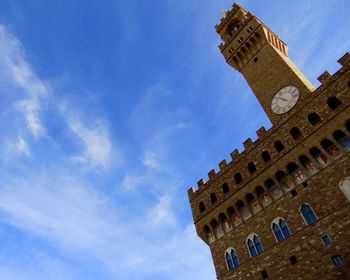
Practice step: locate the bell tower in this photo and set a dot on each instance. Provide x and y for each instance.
(261, 56)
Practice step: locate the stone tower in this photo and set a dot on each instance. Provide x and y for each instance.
(281, 208)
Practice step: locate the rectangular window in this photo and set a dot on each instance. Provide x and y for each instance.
(326, 240)
(337, 260)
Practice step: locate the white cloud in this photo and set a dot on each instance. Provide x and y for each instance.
(13, 60)
(130, 182)
(151, 159)
(19, 147)
(96, 142)
(161, 214)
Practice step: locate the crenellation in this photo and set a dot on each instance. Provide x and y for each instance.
(324, 77)
(190, 193)
(211, 174)
(235, 155)
(345, 60)
(201, 184)
(223, 165)
(261, 133)
(248, 144)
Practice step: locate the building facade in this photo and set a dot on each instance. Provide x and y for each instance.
(281, 208)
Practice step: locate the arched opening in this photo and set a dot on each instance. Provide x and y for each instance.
(333, 102)
(296, 173)
(209, 234)
(251, 167)
(283, 179)
(254, 245)
(243, 210)
(238, 178)
(224, 222)
(296, 133)
(217, 228)
(308, 214)
(279, 146)
(201, 207)
(318, 156)
(307, 164)
(231, 259)
(233, 28)
(314, 118)
(263, 196)
(265, 156)
(253, 203)
(342, 139)
(225, 188)
(280, 229)
(213, 198)
(273, 188)
(330, 147)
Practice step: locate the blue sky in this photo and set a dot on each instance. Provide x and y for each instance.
(110, 111)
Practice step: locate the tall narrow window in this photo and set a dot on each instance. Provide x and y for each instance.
(225, 188)
(265, 156)
(251, 167)
(238, 178)
(254, 245)
(280, 229)
(231, 258)
(333, 102)
(279, 146)
(296, 133)
(314, 118)
(308, 214)
(213, 198)
(201, 206)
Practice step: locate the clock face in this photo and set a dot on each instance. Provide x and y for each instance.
(284, 100)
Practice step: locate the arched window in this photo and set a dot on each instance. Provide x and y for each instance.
(307, 164)
(213, 198)
(209, 234)
(308, 214)
(265, 156)
(342, 139)
(296, 173)
(330, 147)
(280, 229)
(254, 245)
(225, 188)
(279, 146)
(345, 187)
(251, 167)
(333, 102)
(319, 156)
(238, 178)
(224, 222)
(296, 133)
(314, 118)
(231, 258)
(201, 207)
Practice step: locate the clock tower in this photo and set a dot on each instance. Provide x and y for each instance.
(262, 57)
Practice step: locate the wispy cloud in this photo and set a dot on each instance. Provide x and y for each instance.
(96, 141)
(12, 58)
(18, 147)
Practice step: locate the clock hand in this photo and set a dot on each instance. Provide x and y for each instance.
(283, 99)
